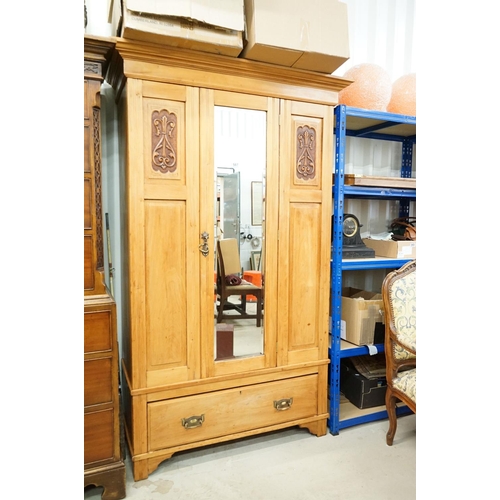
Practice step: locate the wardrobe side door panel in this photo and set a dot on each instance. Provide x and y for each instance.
(166, 297)
(304, 269)
(305, 213)
(170, 237)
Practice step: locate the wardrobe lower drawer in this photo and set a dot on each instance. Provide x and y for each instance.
(196, 418)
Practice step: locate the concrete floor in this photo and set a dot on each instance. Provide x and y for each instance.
(290, 464)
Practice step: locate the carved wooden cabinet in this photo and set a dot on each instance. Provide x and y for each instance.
(103, 457)
(177, 393)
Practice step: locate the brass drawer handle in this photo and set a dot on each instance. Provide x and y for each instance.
(193, 422)
(283, 404)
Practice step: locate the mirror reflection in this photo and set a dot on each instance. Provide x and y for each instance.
(239, 225)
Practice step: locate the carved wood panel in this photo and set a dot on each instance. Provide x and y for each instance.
(164, 141)
(306, 152)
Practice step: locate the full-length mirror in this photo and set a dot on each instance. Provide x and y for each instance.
(239, 225)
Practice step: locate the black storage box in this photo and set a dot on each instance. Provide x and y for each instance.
(363, 392)
(379, 335)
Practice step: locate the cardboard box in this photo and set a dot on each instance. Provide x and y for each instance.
(361, 311)
(393, 249)
(312, 36)
(360, 390)
(214, 26)
(115, 16)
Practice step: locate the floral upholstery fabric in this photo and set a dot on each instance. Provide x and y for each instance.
(406, 382)
(403, 297)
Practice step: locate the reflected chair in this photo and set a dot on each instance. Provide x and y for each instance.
(228, 263)
(399, 297)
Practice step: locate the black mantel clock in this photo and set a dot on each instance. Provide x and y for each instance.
(352, 244)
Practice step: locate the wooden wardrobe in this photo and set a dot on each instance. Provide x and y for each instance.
(177, 394)
(103, 454)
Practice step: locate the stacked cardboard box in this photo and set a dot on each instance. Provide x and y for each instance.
(393, 249)
(309, 35)
(361, 311)
(214, 26)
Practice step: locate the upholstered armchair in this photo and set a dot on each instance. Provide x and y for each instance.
(399, 294)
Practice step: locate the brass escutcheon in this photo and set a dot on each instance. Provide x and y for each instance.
(204, 246)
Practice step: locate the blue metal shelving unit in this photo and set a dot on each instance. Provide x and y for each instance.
(354, 122)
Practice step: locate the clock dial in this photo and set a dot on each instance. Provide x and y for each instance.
(352, 244)
(350, 227)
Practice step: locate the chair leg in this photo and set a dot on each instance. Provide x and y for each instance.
(390, 403)
(221, 308)
(259, 309)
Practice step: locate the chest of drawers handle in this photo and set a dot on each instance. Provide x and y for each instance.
(193, 422)
(283, 404)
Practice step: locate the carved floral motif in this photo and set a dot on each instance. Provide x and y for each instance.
(164, 141)
(306, 153)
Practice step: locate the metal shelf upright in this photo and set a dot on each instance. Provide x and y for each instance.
(355, 122)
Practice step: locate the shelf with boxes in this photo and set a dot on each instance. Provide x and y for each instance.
(364, 337)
